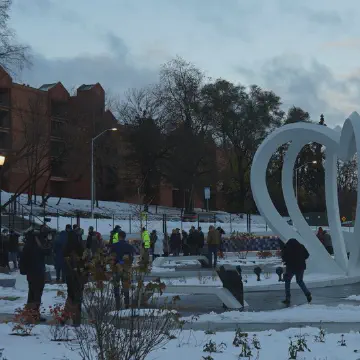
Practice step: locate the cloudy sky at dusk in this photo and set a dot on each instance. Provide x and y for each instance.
(306, 51)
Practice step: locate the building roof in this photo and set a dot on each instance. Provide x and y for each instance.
(86, 87)
(47, 87)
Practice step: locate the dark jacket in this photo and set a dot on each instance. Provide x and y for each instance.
(294, 255)
(74, 251)
(33, 256)
(201, 239)
(175, 241)
(121, 249)
(59, 246)
(193, 238)
(13, 242)
(94, 242)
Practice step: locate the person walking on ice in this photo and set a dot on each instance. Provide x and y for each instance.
(294, 255)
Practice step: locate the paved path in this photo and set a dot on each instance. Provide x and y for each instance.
(260, 301)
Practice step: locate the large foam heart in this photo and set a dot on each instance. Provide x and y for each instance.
(298, 135)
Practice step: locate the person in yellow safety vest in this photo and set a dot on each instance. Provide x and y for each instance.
(145, 236)
(114, 237)
(144, 252)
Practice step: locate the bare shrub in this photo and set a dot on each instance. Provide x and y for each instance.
(115, 330)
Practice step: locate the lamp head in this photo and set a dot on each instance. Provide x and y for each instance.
(2, 160)
(114, 129)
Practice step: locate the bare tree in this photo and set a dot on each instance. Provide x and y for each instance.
(33, 152)
(13, 56)
(144, 145)
(37, 138)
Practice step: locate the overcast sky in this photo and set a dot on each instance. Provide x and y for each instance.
(307, 51)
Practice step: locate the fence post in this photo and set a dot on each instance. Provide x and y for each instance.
(57, 220)
(129, 224)
(71, 220)
(249, 223)
(113, 220)
(96, 220)
(215, 220)
(230, 225)
(23, 219)
(198, 217)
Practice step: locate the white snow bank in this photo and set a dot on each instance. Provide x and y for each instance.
(303, 313)
(190, 346)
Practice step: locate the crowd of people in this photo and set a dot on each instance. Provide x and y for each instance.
(70, 252)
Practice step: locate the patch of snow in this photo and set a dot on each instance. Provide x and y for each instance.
(190, 345)
(6, 276)
(353, 298)
(304, 313)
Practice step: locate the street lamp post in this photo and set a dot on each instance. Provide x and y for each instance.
(92, 168)
(296, 176)
(2, 162)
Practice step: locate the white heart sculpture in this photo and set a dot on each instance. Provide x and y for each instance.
(345, 147)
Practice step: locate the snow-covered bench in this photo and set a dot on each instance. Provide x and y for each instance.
(160, 261)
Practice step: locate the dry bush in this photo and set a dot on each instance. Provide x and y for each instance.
(127, 333)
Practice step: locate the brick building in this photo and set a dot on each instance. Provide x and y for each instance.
(47, 111)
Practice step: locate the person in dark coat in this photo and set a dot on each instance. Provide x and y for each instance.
(201, 240)
(59, 245)
(32, 264)
(193, 241)
(94, 241)
(123, 249)
(75, 274)
(175, 243)
(153, 239)
(185, 244)
(294, 255)
(4, 249)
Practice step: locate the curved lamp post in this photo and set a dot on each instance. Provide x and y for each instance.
(92, 168)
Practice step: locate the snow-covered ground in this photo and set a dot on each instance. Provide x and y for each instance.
(303, 314)
(191, 345)
(104, 226)
(120, 213)
(11, 299)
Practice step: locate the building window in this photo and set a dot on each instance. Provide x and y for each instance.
(57, 149)
(4, 97)
(57, 129)
(5, 140)
(59, 109)
(4, 119)
(58, 168)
